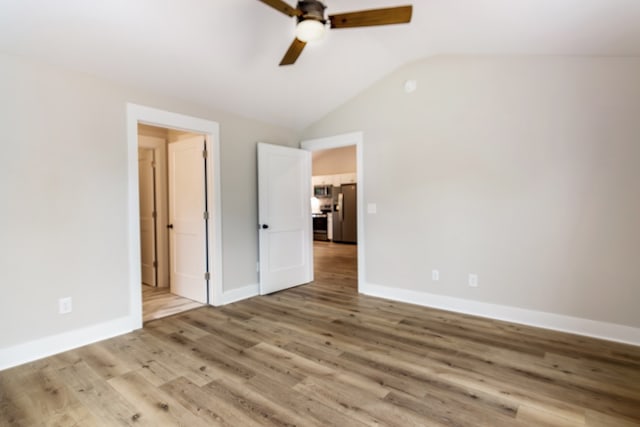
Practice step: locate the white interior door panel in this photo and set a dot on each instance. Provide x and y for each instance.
(147, 220)
(186, 216)
(284, 198)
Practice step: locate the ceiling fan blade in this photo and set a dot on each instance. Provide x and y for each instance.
(282, 7)
(367, 18)
(294, 51)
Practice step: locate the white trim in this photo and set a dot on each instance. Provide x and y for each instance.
(245, 292)
(151, 116)
(558, 322)
(44, 347)
(345, 140)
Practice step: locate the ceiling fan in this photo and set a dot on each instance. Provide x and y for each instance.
(312, 23)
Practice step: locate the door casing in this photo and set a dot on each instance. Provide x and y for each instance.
(160, 118)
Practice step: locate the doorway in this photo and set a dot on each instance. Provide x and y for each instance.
(334, 212)
(184, 139)
(337, 169)
(173, 245)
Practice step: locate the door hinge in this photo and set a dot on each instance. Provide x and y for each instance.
(155, 264)
(207, 276)
(204, 154)
(205, 215)
(154, 214)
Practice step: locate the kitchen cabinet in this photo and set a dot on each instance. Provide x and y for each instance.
(347, 178)
(335, 180)
(322, 180)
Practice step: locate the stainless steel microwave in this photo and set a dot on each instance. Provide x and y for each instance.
(322, 190)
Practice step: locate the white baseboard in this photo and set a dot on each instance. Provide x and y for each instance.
(40, 348)
(558, 322)
(245, 292)
(48, 346)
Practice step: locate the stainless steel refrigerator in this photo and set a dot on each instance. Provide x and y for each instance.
(345, 222)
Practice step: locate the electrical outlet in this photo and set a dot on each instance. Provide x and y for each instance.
(64, 305)
(435, 275)
(473, 280)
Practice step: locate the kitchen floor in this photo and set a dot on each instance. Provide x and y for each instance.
(336, 263)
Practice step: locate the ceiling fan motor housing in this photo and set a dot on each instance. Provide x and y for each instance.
(311, 9)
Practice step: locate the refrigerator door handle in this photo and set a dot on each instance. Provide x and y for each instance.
(340, 200)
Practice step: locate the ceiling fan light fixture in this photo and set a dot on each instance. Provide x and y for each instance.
(312, 22)
(309, 30)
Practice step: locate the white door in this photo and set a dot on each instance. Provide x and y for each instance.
(146, 181)
(284, 203)
(187, 222)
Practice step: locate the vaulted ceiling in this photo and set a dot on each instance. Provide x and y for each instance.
(225, 53)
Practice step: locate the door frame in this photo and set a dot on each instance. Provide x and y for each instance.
(155, 117)
(345, 140)
(162, 237)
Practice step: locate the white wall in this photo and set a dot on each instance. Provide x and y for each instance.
(63, 189)
(524, 171)
(334, 161)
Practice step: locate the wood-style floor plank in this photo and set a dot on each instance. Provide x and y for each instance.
(324, 355)
(160, 302)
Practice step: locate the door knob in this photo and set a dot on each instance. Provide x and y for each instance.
(170, 226)
(265, 226)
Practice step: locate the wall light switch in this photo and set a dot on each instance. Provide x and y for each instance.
(372, 208)
(435, 275)
(64, 305)
(473, 280)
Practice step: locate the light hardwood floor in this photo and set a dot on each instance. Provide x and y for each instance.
(322, 355)
(159, 302)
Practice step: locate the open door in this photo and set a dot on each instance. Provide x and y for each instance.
(146, 180)
(188, 218)
(284, 204)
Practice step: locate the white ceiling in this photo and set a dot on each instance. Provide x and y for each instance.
(225, 53)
